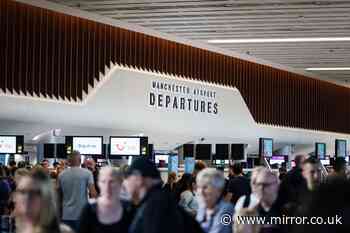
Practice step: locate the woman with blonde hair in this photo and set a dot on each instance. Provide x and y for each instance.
(35, 209)
(108, 213)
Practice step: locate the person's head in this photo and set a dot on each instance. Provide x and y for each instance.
(339, 166)
(142, 175)
(12, 163)
(35, 201)
(22, 172)
(299, 159)
(45, 164)
(210, 185)
(171, 177)
(109, 181)
(267, 185)
(254, 176)
(237, 169)
(56, 164)
(21, 164)
(75, 159)
(311, 172)
(198, 166)
(186, 182)
(90, 164)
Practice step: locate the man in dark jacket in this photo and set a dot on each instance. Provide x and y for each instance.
(293, 185)
(157, 210)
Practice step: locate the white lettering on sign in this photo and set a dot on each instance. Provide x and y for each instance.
(183, 98)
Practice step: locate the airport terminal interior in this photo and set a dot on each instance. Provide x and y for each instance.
(169, 116)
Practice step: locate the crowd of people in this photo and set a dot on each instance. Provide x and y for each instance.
(134, 199)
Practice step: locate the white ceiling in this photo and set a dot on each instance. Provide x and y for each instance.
(120, 107)
(201, 20)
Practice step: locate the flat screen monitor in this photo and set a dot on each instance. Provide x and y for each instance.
(266, 147)
(320, 150)
(49, 151)
(277, 160)
(165, 158)
(88, 145)
(237, 152)
(150, 150)
(340, 148)
(203, 151)
(128, 146)
(8, 145)
(250, 162)
(221, 151)
(188, 150)
(61, 151)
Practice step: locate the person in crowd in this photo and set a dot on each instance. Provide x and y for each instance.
(124, 194)
(250, 201)
(21, 164)
(293, 183)
(5, 191)
(107, 215)
(12, 168)
(45, 165)
(198, 166)
(238, 185)
(170, 185)
(90, 164)
(62, 165)
(339, 168)
(225, 192)
(330, 203)
(21, 173)
(73, 186)
(35, 209)
(180, 187)
(230, 171)
(311, 173)
(210, 185)
(157, 210)
(267, 186)
(282, 171)
(55, 165)
(188, 200)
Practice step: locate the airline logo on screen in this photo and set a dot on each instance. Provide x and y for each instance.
(169, 95)
(86, 146)
(124, 146)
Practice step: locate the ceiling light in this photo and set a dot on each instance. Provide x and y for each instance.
(279, 40)
(329, 68)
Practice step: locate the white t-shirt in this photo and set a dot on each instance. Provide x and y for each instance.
(188, 201)
(253, 202)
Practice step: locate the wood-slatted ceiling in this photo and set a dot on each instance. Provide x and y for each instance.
(56, 55)
(241, 19)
